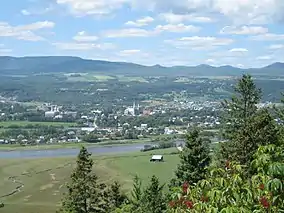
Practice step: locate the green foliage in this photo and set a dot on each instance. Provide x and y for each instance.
(194, 160)
(228, 190)
(85, 194)
(242, 106)
(115, 196)
(153, 199)
(246, 127)
(91, 138)
(136, 193)
(261, 130)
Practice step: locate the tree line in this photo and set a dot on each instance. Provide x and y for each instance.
(244, 174)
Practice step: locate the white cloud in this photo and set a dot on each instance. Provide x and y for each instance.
(178, 18)
(231, 54)
(84, 37)
(39, 7)
(240, 11)
(131, 32)
(82, 46)
(268, 37)
(210, 61)
(24, 32)
(244, 30)
(129, 52)
(135, 53)
(265, 57)
(276, 46)
(25, 12)
(92, 7)
(3, 50)
(140, 22)
(198, 43)
(178, 28)
(242, 50)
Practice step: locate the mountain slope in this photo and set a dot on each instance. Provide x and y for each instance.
(69, 64)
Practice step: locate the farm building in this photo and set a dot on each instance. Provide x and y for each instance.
(157, 158)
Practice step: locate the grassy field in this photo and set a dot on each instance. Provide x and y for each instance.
(132, 79)
(5, 124)
(44, 179)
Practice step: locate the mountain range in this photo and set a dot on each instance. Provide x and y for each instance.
(69, 64)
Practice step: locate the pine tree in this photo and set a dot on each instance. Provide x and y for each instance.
(84, 195)
(136, 192)
(115, 196)
(262, 130)
(153, 200)
(241, 107)
(245, 126)
(194, 160)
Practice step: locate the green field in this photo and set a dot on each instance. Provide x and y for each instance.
(6, 124)
(132, 79)
(44, 179)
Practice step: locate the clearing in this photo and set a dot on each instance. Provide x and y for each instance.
(40, 182)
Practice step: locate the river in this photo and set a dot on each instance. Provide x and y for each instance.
(68, 152)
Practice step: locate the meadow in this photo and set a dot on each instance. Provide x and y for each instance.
(7, 124)
(91, 77)
(41, 182)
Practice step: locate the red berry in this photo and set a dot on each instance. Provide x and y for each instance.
(184, 187)
(172, 204)
(264, 202)
(261, 186)
(189, 204)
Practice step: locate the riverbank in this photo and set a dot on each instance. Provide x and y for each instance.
(9, 147)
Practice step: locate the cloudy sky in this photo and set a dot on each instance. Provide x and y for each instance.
(244, 33)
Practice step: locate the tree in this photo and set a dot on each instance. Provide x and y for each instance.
(84, 194)
(136, 193)
(115, 196)
(245, 127)
(194, 160)
(153, 200)
(227, 189)
(262, 130)
(241, 107)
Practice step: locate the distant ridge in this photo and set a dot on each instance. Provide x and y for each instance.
(72, 64)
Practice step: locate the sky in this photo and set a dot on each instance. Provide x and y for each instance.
(241, 33)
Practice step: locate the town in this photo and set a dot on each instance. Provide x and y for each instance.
(51, 124)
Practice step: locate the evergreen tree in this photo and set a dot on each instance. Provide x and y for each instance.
(136, 193)
(153, 200)
(194, 160)
(245, 126)
(84, 195)
(262, 130)
(115, 196)
(241, 107)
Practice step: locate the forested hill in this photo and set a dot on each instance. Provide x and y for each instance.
(67, 64)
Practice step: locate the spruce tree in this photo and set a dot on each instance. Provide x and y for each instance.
(245, 127)
(238, 111)
(153, 200)
(116, 198)
(84, 195)
(136, 193)
(262, 130)
(194, 160)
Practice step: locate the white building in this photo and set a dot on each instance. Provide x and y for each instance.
(131, 110)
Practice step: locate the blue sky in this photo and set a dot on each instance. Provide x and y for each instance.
(243, 33)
